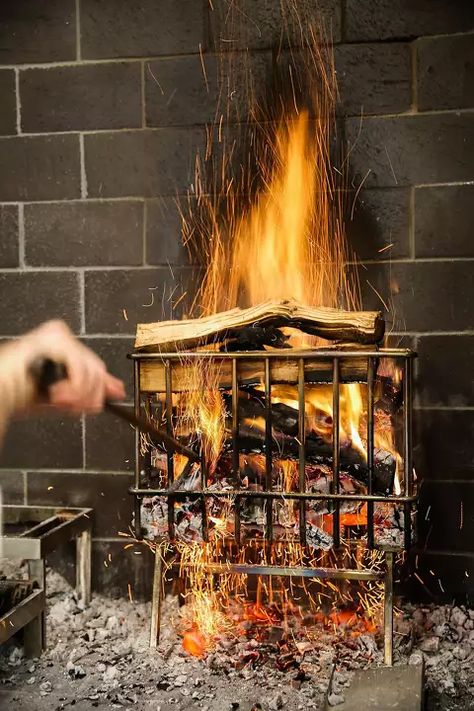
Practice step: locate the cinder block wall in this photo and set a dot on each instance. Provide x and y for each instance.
(103, 106)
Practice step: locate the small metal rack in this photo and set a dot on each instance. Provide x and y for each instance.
(333, 367)
(31, 534)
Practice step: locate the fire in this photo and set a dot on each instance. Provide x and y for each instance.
(194, 643)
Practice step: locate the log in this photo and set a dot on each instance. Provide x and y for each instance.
(218, 369)
(317, 451)
(169, 336)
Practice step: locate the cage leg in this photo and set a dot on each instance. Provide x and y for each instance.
(388, 610)
(156, 599)
(37, 572)
(33, 637)
(83, 567)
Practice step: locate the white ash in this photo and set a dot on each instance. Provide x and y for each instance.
(99, 657)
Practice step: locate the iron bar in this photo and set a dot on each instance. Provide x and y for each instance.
(285, 572)
(388, 609)
(268, 452)
(157, 598)
(301, 449)
(408, 445)
(169, 431)
(242, 493)
(235, 446)
(137, 402)
(324, 353)
(336, 531)
(370, 449)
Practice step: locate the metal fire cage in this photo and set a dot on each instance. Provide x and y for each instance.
(333, 369)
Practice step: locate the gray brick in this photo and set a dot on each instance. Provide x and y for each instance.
(117, 300)
(444, 217)
(49, 441)
(454, 572)
(444, 521)
(107, 494)
(8, 235)
(178, 93)
(387, 19)
(39, 168)
(115, 566)
(140, 28)
(445, 72)
(443, 364)
(381, 223)
(373, 78)
(12, 486)
(113, 352)
(8, 102)
(37, 31)
(141, 163)
(407, 150)
(422, 296)
(109, 443)
(163, 232)
(97, 96)
(91, 233)
(438, 435)
(262, 25)
(28, 298)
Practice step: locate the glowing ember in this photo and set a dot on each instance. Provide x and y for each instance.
(194, 643)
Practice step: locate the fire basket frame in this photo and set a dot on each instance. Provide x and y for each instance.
(334, 361)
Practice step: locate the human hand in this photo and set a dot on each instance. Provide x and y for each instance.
(86, 387)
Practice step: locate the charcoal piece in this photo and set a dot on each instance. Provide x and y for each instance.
(254, 338)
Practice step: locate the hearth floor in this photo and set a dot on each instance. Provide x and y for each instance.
(99, 658)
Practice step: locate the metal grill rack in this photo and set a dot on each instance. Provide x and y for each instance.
(333, 369)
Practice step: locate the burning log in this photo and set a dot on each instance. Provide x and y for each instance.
(318, 445)
(366, 327)
(283, 371)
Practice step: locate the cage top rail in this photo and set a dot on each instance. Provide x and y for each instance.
(279, 353)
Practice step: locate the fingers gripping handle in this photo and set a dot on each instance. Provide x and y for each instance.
(46, 372)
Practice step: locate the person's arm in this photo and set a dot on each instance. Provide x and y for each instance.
(87, 386)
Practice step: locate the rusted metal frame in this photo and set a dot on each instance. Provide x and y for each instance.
(27, 615)
(137, 408)
(335, 451)
(370, 449)
(169, 431)
(268, 454)
(408, 445)
(235, 446)
(301, 450)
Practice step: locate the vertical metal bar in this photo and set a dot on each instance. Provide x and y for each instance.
(37, 572)
(156, 599)
(169, 430)
(83, 567)
(301, 449)
(370, 449)
(268, 450)
(204, 470)
(388, 610)
(137, 404)
(235, 446)
(408, 443)
(335, 450)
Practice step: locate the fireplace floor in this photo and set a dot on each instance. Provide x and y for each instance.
(99, 658)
